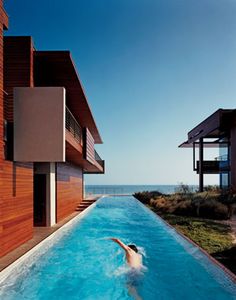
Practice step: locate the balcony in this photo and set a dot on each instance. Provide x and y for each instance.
(216, 166)
(80, 146)
(91, 155)
(45, 130)
(73, 127)
(224, 163)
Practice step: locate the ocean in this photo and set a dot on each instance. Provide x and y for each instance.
(128, 189)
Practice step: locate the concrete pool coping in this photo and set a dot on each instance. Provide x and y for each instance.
(46, 243)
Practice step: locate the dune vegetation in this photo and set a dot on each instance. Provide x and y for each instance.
(211, 204)
(199, 216)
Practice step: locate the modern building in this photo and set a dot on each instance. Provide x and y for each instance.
(47, 138)
(216, 131)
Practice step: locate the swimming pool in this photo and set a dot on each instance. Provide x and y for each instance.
(85, 265)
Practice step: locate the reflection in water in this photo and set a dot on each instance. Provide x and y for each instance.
(83, 264)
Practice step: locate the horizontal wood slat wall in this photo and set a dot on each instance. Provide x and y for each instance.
(1, 97)
(1, 129)
(16, 201)
(69, 189)
(17, 205)
(18, 69)
(89, 147)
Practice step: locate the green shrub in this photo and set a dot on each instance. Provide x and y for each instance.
(207, 205)
(213, 209)
(184, 189)
(212, 236)
(211, 204)
(212, 188)
(146, 196)
(174, 204)
(228, 198)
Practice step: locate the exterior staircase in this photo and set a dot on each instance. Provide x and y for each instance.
(84, 204)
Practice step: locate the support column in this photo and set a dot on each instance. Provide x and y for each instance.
(84, 190)
(51, 196)
(48, 199)
(201, 183)
(232, 154)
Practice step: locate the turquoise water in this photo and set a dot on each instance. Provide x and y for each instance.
(85, 265)
(129, 189)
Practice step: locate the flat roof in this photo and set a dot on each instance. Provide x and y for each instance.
(215, 144)
(214, 126)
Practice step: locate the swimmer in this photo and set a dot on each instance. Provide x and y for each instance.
(133, 258)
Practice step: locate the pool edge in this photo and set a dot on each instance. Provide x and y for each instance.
(6, 272)
(229, 273)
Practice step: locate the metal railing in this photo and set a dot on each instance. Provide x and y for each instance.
(224, 157)
(73, 126)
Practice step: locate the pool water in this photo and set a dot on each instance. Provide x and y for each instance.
(85, 265)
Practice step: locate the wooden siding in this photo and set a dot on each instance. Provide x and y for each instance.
(74, 143)
(3, 16)
(1, 131)
(89, 152)
(16, 202)
(17, 205)
(18, 69)
(69, 189)
(3, 25)
(1, 100)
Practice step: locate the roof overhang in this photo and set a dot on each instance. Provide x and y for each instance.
(215, 126)
(215, 144)
(56, 68)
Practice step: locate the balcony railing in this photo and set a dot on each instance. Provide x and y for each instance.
(224, 157)
(214, 166)
(224, 163)
(73, 126)
(209, 166)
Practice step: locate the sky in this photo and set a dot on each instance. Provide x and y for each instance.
(151, 70)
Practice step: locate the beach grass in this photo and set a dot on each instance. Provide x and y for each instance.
(212, 236)
(203, 222)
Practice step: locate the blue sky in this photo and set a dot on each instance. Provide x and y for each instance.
(151, 69)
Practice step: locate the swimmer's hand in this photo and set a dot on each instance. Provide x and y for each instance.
(122, 245)
(114, 240)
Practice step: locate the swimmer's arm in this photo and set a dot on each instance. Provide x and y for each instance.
(122, 245)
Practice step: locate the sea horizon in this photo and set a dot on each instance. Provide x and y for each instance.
(117, 189)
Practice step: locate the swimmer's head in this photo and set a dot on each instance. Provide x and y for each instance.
(133, 247)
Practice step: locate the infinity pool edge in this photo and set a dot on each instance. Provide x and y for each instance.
(229, 273)
(48, 242)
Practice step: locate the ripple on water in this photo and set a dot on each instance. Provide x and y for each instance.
(85, 264)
